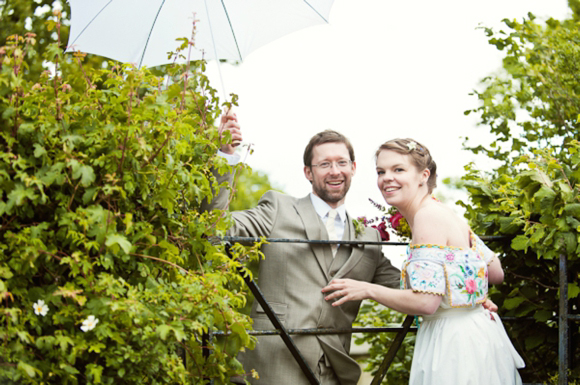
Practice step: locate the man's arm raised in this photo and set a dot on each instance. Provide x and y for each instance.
(228, 123)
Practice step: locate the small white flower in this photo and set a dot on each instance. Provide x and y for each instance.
(89, 323)
(411, 146)
(40, 308)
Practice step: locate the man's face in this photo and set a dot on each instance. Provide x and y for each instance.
(331, 183)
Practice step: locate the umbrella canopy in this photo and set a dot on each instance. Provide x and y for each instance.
(144, 31)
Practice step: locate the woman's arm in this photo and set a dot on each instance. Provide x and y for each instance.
(495, 273)
(404, 301)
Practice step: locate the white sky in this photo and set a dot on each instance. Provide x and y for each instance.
(379, 70)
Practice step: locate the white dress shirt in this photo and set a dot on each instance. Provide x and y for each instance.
(322, 208)
(232, 159)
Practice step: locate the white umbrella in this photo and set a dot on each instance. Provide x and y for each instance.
(144, 31)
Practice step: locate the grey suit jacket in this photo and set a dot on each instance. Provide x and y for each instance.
(291, 277)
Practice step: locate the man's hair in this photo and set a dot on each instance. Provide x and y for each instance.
(420, 156)
(326, 136)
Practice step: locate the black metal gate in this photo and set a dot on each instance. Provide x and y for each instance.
(279, 329)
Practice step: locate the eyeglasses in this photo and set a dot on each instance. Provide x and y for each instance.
(343, 163)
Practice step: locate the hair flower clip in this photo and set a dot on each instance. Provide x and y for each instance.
(411, 146)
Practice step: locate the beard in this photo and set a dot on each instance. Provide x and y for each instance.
(328, 196)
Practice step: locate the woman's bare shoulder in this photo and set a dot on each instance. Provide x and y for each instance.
(437, 224)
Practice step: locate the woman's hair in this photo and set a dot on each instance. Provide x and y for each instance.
(420, 156)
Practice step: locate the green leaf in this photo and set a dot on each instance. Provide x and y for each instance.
(512, 303)
(97, 347)
(163, 331)
(170, 247)
(573, 290)
(86, 173)
(543, 315)
(96, 372)
(508, 225)
(30, 370)
(534, 341)
(39, 150)
(520, 242)
(573, 209)
(25, 128)
(545, 196)
(118, 239)
(70, 369)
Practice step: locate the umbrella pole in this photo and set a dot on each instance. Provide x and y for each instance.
(236, 143)
(215, 53)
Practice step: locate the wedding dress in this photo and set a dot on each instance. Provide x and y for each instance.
(462, 343)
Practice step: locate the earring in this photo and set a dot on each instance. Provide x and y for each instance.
(421, 184)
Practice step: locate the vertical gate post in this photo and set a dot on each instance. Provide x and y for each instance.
(390, 356)
(206, 341)
(563, 324)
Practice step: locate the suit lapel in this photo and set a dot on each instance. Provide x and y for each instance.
(311, 222)
(356, 253)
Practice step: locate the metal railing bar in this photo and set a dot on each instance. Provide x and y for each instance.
(329, 242)
(311, 241)
(314, 331)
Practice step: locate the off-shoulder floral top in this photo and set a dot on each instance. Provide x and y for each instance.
(456, 273)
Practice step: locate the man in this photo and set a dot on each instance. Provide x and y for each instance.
(292, 274)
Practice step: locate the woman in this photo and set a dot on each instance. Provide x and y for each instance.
(445, 279)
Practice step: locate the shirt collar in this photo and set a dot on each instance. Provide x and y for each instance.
(322, 208)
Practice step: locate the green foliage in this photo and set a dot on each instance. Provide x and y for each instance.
(102, 174)
(536, 207)
(375, 315)
(20, 17)
(534, 103)
(533, 196)
(250, 186)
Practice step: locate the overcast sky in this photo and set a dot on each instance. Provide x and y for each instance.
(379, 70)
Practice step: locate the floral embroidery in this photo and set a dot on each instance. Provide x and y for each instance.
(470, 286)
(458, 274)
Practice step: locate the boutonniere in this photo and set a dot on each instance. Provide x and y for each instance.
(359, 226)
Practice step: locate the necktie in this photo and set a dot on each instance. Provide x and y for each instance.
(331, 230)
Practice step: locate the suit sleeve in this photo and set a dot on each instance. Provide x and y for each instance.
(258, 221)
(255, 222)
(386, 274)
(219, 201)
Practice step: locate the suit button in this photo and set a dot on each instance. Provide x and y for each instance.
(333, 273)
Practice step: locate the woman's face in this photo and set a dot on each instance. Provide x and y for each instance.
(398, 178)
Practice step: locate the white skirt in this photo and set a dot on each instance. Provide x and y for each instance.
(464, 346)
